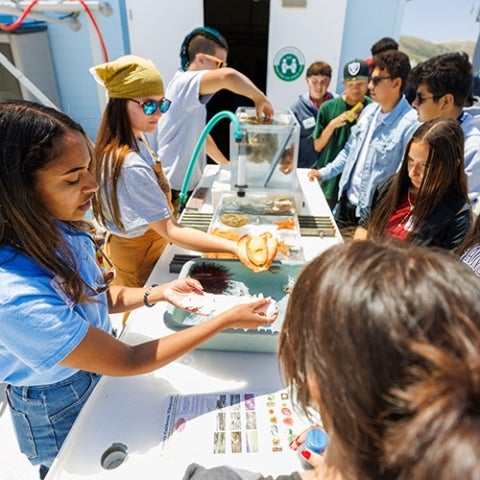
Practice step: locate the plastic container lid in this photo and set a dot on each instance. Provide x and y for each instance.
(316, 440)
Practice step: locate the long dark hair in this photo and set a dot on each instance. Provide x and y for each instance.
(31, 136)
(351, 328)
(114, 141)
(444, 175)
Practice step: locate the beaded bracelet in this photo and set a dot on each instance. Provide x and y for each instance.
(148, 291)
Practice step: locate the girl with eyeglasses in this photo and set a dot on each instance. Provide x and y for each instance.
(426, 202)
(55, 330)
(134, 204)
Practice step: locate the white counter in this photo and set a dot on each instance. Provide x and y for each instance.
(132, 410)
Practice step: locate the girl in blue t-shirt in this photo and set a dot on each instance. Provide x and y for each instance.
(55, 332)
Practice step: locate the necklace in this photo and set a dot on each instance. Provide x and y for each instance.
(407, 221)
(412, 205)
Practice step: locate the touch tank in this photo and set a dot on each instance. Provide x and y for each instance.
(266, 157)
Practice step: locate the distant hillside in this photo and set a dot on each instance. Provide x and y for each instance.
(419, 50)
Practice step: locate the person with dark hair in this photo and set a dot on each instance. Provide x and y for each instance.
(203, 72)
(305, 109)
(443, 84)
(375, 147)
(55, 331)
(336, 118)
(383, 45)
(381, 340)
(134, 204)
(426, 202)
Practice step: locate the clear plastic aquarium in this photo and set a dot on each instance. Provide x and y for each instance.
(266, 157)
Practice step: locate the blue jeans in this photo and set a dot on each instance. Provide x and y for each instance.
(43, 415)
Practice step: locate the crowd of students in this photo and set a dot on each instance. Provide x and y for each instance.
(381, 336)
(366, 167)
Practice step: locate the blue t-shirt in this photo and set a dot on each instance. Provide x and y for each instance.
(39, 324)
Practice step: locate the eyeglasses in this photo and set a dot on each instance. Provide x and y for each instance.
(150, 106)
(376, 80)
(219, 62)
(420, 99)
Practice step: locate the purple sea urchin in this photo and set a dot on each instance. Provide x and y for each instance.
(213, 277)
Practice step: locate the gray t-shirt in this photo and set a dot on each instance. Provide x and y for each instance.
(140, 198)
(197, 472)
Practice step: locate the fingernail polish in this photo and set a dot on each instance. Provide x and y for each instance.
(295, 440)
(306, 454)
(315, 441)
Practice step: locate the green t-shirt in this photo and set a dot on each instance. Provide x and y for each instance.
(327, 112)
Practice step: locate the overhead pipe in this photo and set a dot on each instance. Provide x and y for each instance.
(59, 6)
(72, 22)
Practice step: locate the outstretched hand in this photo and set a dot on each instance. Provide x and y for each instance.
(249, 315)
(179, 292)
(257, 252)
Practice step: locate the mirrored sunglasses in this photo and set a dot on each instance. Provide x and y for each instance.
(150, 106)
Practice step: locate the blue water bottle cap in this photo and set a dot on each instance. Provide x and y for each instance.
(316, 440)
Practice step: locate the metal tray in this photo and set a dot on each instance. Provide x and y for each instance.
(261, 215)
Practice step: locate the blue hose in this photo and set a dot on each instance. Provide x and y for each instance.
(198, 147)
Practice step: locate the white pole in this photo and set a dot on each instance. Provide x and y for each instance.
(30, 86)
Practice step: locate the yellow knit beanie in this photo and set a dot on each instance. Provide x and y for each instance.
(129, 76)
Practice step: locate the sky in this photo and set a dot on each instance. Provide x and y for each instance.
(441, 20)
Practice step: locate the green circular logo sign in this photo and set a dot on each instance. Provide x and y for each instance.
(289, 64)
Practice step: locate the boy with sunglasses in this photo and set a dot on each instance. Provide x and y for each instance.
(443, 84)
(203, 73)
(375, 147)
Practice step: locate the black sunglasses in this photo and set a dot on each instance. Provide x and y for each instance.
(420, 99)
(377, 80)
(150, 106)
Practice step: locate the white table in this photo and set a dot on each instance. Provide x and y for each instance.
(131, 410)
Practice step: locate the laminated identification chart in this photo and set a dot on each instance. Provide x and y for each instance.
(231, 423)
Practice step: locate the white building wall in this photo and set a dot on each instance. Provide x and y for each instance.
(157, 29)
(331, 30)
(366, 21)
(315, 30)
(73, 53)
